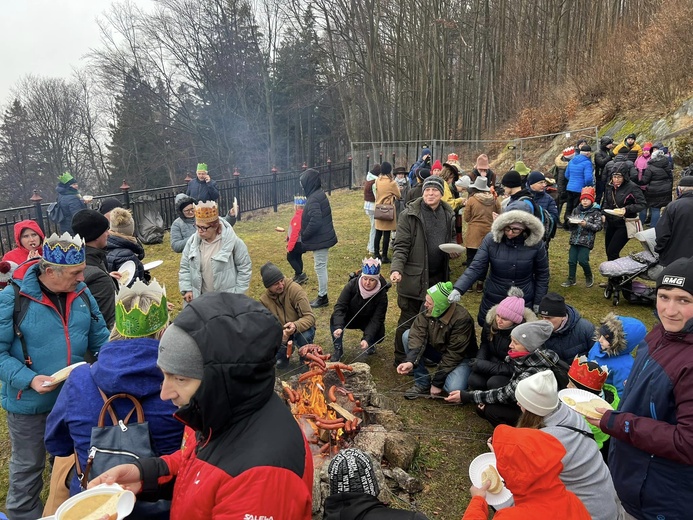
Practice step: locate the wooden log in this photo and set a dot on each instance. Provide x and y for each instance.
(343, 412)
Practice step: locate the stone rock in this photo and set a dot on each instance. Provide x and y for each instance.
(371, 439)
(386, 418)
(406, 481)
(400, 449)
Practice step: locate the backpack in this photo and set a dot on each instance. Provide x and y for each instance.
(122, 443)
(55, 212)
(544, 216)
(559, 368)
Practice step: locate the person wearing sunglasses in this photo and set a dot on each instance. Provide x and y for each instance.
(214, 258)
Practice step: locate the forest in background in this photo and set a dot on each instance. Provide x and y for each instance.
(278, 84)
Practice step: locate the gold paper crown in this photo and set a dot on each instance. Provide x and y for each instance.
(136, 323)
(64, 249)
(206, 212)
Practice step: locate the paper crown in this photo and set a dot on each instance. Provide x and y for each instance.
(64, 250)
(453, 157)
(370, 267)
(66, 177)
(206, 212)
(569, 152)
(136, 323)
(588, 374)
(201, 167)
(299, 200)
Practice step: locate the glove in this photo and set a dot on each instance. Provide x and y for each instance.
(454, 296)
(465, 397)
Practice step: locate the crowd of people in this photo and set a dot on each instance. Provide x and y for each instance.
(206, 380)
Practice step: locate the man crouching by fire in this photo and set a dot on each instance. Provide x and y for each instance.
(243, 454)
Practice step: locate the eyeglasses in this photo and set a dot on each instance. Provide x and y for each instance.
(203, 228)
(509, 229)
(190, 210)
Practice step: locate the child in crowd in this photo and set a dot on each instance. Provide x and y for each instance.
(294, 247)
(585, 221)
(617, 337)
(589, 376)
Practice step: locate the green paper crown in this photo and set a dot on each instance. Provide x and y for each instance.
(66, 177)
(135, 323)
(201, 167)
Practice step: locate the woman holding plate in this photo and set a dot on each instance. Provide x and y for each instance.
(623, 199)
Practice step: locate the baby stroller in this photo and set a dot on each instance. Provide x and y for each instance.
(622, 272)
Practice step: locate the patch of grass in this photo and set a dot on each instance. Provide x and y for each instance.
(450, 436)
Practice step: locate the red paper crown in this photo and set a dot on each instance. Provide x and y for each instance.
(591, 377)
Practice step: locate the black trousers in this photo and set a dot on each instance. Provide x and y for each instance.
(615, 239)
(385, 236)
(500, 414)
(571, 204)
(295, 258)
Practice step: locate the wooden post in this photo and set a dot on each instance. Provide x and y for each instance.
(125, 187)
(36, 200)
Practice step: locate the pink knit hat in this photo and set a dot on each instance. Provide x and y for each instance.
(513, 306)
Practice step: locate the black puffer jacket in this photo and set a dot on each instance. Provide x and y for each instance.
(601, 158)
(119, 250)
(659, 182)
(371, 316)
(102, 286)
(623, 165)
(362, 506)
(674, 230)
(317, 230)
(629, 196)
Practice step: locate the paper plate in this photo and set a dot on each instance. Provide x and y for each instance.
(573, 396)
(125, 504)
(61, 375)
(151, 265)
(451, 248)
(127, 271)
(235, 207)
(477, 466)
(614, 212)
(573, 220)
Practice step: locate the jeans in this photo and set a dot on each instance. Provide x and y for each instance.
(303, 338)
(27, 461)
(409, 309)
(654, 216)
(320, 263)
(579, 255)
(455, 380)
(371, 235)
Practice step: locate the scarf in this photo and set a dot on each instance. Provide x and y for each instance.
(367, 294)
(514, 354)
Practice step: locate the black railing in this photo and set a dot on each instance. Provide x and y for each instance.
(252, 193)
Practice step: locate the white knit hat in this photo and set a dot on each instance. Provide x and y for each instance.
(538, 393)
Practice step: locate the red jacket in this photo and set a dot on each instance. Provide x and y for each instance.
(19, 254)
(529, 461)
(294, 230)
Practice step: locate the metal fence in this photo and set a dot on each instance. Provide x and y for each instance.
(252, 193)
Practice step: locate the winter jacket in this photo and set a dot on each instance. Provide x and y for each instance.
(53, 342)
(183, 227)
(633, 152)
(478, 214)
(291, 305)
(386, 192)
(584, 471)
(579, 173)
(618, 358)
(520, 261)
(622, 164)
(452, 334)
(574, 338)
(243, 454)
(102, 285)
(658, 182)
(628, 195)
(202, 191)
(19, 254)
(371, 313)
(120, 249)
(585, 235)
(418, 164)
(410, 257)
(362, 506)
(70, 203)
(601, 158)
(529, 461)
(640, 164)
(454, 202)
(674, 230)
(514, 202)
(523, 367)
(491, 360)
(558, 172)
(294, 235)
(231, 265)
(127, 366)
(317, 230)
(545, 200)
(651, 450)
(413, 193)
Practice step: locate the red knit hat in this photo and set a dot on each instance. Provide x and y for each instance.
(587, 193)
(587, 375)
(437, 165)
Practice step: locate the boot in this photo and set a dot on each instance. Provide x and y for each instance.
(301, 278)
(320, 301)
(337, 354)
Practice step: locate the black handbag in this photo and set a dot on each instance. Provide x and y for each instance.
(384, 212)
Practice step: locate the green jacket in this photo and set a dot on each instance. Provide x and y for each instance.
(609, 394)
(452, 334)
(410, 257)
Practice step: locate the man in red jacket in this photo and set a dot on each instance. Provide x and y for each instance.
(243, 454)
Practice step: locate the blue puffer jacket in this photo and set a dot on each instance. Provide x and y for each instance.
(618, 358)
(70, 203)
(127, 366)
(52, 343)
(545, 201)
(521, 262)
(574, 339)
(579, 173)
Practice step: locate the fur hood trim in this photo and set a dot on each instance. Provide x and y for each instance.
(535, 229)
(528, 315)
(628, 333)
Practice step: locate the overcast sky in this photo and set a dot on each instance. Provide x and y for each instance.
(46, 37)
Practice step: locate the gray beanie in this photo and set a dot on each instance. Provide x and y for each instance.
(532, 335)
(270, 274)
(434, 182)
(179, 354)
(351, 471)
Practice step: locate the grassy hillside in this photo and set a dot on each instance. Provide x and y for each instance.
(451, 436)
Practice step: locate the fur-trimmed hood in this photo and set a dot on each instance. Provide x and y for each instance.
(628, 333)
(534, 233)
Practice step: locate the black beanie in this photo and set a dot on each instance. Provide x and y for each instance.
(677, 275)
(351, 471)
(385, 168)
(423, 174)
(553, 306)
(512, 179)
(183, 202)
(89, 224)
(109, 204)
(270, 274)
